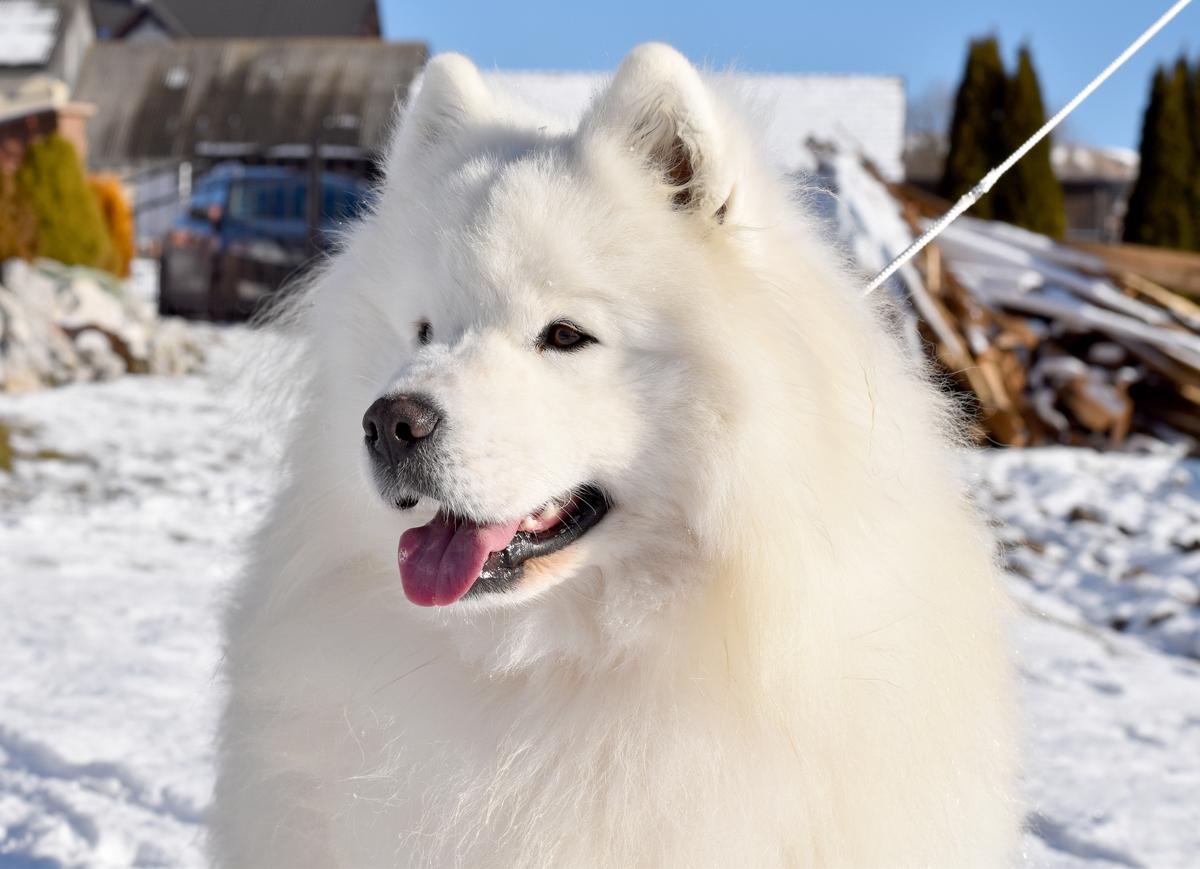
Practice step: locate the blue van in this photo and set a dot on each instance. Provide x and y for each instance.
(243, 234)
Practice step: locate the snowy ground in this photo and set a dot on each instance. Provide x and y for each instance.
(123, 507)
(119, 529)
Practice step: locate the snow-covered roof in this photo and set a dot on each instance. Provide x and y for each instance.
(28, 30)
(1073, 162)
(859, 113)
(926, 154)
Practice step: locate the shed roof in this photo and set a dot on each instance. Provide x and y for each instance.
(108, 15)
(240, 18)
(250, 18)
(159, 101)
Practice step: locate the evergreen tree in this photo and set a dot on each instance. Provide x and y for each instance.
(1029, 195)
(70, 227)
(975, 140)
(1136, 208)
(1194, 113)
(1161, 206)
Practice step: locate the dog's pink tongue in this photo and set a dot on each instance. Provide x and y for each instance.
(440, 561)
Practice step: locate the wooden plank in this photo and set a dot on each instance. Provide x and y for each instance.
(1181, 306)
(1179, 270)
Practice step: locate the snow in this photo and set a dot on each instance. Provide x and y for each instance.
(867, 219)
(1111, 742)
(127, 504)
(1127, 156)
(27, 32)
(1110, 540)
(119, 530)
(862, 114)
(142, 282)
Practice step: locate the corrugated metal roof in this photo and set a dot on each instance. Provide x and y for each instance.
(171, 100)
(108, 15)
(258, 18)
(860, 113)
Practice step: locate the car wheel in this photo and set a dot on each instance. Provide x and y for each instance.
(165, 308)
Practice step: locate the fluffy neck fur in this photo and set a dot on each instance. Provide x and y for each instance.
(808, 614)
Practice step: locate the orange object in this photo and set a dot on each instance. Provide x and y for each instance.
(118, 219)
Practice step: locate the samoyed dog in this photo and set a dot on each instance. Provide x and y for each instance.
(617, 530)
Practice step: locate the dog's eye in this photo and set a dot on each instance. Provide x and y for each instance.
(561, 335)
(424, 332)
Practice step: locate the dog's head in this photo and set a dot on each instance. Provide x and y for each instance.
(552, 386)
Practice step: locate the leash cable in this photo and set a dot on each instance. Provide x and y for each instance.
(985, 184)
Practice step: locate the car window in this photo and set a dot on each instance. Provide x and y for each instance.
(287, 199)
(268, 199)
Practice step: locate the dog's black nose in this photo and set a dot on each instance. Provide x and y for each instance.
(394, 424)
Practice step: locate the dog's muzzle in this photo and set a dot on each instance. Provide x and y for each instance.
(400, 431)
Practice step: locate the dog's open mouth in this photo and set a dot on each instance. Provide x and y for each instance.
(450, 556)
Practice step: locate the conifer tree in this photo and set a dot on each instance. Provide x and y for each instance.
(70, 228)
(1030, 195)
(975, 140)
(1194, 114)
(1161, 206)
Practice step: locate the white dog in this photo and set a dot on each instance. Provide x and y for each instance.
(704, 588)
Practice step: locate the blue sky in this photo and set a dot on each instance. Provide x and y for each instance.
(922, 40)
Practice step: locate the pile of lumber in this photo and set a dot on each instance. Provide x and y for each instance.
(1053, 344)
(1177, 269)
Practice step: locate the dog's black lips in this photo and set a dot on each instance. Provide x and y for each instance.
(503, 569)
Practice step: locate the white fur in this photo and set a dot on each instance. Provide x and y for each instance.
(783, 645)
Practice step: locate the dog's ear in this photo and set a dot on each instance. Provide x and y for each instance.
(451, 94)
(659, 107)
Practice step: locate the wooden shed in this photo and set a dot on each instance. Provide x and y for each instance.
(205, 99)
